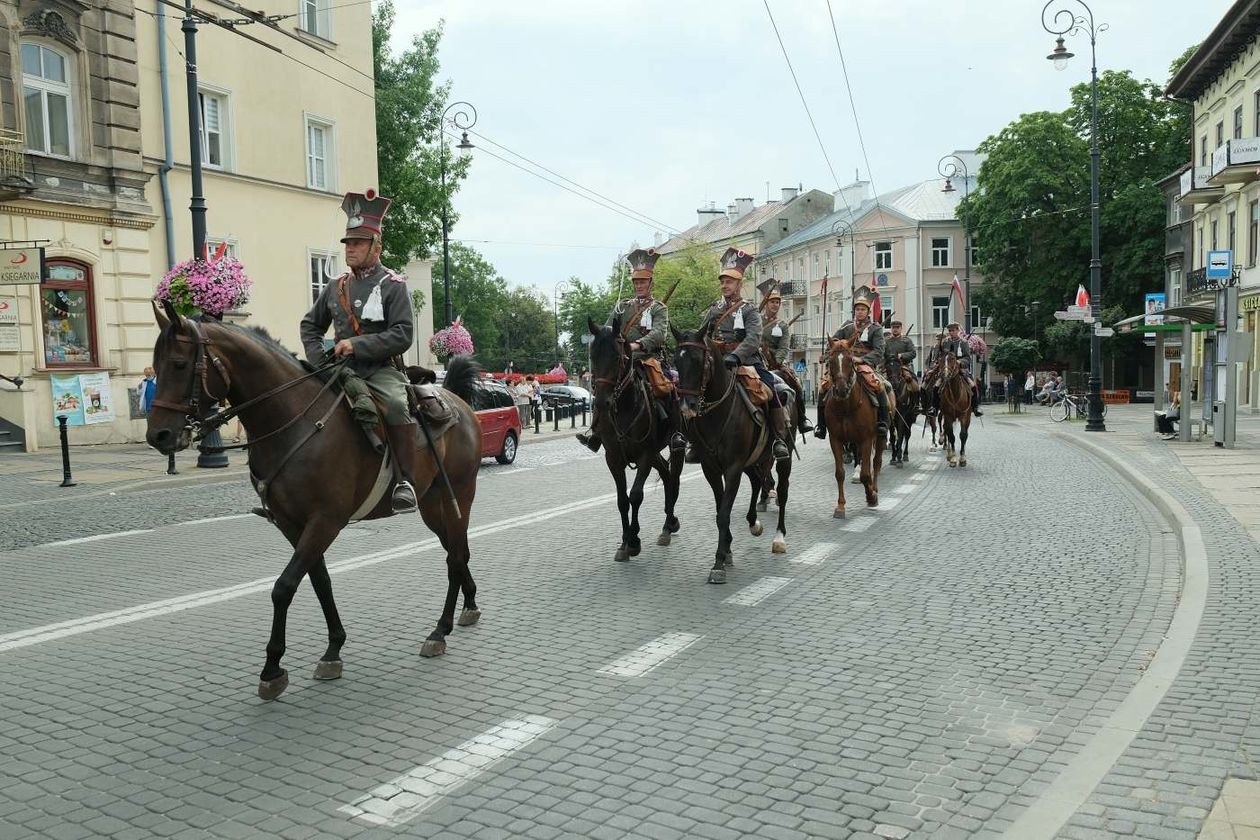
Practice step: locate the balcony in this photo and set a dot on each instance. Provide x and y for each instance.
(1196, 282)
(1195, 188)
(792, 288)
(1236, 162)
(15, 175)
(799, 342)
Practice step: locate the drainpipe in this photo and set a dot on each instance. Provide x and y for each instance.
(168, 163)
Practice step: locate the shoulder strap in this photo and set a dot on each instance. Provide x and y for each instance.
(629, 325)
(730, 310)
(344, 300)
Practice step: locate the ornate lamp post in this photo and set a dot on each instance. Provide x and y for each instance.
(949, 167)
(464, 118)
(562, 287)
(1066, 22)
(843, 227)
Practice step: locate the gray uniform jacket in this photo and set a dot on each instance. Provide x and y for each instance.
(778, 345)
(652, 338)
(961, 349)
(380, 339)
(900, 350)
(748, 334)
(874, 340)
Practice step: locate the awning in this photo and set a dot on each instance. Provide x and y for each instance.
(1201, 317)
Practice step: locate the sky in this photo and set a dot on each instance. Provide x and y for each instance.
(662, 106)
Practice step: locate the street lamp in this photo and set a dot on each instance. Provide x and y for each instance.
(948, 167)
(561, 287)
(845, 227)
(464, 118)
(1066, 22)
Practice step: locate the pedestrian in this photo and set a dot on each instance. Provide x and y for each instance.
(1165, 419)
(584, 379)
(1030, 385)
(511, 367)
(147, 388)
(535, 397)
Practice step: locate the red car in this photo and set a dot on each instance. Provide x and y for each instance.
(500, 421)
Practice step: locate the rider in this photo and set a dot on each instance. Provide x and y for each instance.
(960, 348)
(644, 324)
(776, 339)
(735, 324)
(869, 347)
(370, 312)
(899, 350)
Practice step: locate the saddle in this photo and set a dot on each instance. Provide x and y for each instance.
(758, 393)
(658, 382)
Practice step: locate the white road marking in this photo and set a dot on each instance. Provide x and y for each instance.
(96, 537)
(216, 519)
(638, 662)
(128, 615)
(920, 476)
(815, 555)
(511, 471)
(889, 504)
(856, 525)
(901, 489)
(407, 796)
(755, 593)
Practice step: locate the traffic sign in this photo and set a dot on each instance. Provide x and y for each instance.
(1079, 312)
(1220, 265)
(1105, 332)
(1069, 316)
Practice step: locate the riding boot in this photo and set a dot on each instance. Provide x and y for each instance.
(802, 416)
(402, 440)
(881, 420)
(677, 442)
(820, 431)
(778, 422)
(588, 438)
(975, 401)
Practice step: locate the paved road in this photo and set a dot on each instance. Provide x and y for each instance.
(926, 669)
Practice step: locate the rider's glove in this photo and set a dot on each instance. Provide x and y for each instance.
(731, 360)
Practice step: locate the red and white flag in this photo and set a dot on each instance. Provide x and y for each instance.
(877, 310)
(823, 292)
(958, 291)
(1082, 296)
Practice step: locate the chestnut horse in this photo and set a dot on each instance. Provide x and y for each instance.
(311, 463)
(852, 420)
(955, 408)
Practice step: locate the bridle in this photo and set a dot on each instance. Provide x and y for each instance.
(198, 383)
(619, 385)
(706, 373)
(847, 383)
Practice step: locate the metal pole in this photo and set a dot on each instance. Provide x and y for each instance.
(198, 203)
(447, 313)
(1095, 422)
(66, 480)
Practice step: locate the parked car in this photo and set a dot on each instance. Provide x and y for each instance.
(500, 420)
(553, 394)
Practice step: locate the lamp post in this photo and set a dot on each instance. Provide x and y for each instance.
(1066, 22)
(561, 287)
(845, 227)
(948, 167)
(464, 118)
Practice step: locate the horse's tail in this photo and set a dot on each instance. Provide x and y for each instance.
(461, 375)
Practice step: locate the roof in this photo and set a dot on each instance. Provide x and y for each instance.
(1219, 49)
(1175, 176)
(721, 228)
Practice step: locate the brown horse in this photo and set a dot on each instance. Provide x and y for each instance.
(906, 388)
(955, 408)
(852, 421)
(311, 463)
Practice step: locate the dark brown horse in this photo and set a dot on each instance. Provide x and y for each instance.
(311, 464)
(955, 408)
(852, 419)
(906, 388)
(632, 435)
(731, 442)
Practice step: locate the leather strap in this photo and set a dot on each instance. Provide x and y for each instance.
(344, 300)
(629, 325)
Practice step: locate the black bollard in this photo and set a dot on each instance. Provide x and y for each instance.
(170, 464)
(555, 417)
(212, 459)
(66, 480)
(583, 412)
(538, 419)
(573, 415)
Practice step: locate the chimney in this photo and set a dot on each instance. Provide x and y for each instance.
(789, 193)
(853, 195)
(743, 206)
(658, 239)
(732, 212)
(708, 214)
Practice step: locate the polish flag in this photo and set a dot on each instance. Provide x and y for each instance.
(1082, 296)
(958, 291)
(877, 311)
(824, 287)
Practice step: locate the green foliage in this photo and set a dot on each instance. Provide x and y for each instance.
(1014, 355)
(585, 300)
(417, 300)
(528, 334)
(409, 151)
(696, 271)
(478, 293)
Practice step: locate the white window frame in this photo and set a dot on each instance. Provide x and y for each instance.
(940, 314)
(328, 258)
(226, 146)
(44, 87)
(233, 246)
(323, 17)
(977, 318)
(883, 256)
(886, 302)
(936, 251)
(330, 151)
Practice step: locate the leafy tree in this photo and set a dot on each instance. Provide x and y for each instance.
(527, 331)
(409, 148)
(1014, 355)
(695, 270)
(478, 296)
(585, 300)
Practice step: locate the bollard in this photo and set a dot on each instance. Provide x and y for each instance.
(573, 415)
(537, 419)
(170, 464)
(555, 416)
(213, 460)
(66, 480)
(584, 412)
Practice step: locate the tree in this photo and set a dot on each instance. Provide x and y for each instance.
(1014, 355)
(695, 270)
(527, 328)
(478, 296)
(585, 300)
(409, 147)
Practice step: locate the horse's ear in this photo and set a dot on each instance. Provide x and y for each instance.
(703, 332)
(591, 325)
(678, 337)
(173, 316)
(162, 321)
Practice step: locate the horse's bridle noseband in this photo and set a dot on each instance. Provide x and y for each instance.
(706, 373)
(198, 384)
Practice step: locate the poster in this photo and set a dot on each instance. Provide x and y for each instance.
(21, 266)
(98, 398)
(67, 399)
(10, 338)
(1155, 302)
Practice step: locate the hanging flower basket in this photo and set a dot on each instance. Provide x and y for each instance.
(205, 287)
(451, 341)
(978, 347)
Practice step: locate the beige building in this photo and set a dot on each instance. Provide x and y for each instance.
(1221, 83)
(284, 133)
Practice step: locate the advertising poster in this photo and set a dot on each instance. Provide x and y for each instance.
(67, 399)
(98, 399)
(21, 266)
(10, 340)
(1155, 302)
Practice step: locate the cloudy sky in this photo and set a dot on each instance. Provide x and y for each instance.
(664, 105)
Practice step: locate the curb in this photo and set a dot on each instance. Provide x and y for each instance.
(1052, 809)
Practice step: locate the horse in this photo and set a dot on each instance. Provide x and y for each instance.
(730, 440)
(955, 403)
(311, 463)
(788, 396)
(632, 436)
(852, 419)
(906, 388)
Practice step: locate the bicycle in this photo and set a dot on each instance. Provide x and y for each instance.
(1069, 403)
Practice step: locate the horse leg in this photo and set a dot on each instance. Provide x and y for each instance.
(669, 471)
(869, 450)
(877, 465)
(453, 534)
(779, 545)
(329, 665)
(950, 455)
(623, 506)
(838, 450)
(308, 545)
(962, 440)
(767, 490)
(724, 489)
(755, 479)
(636, 500)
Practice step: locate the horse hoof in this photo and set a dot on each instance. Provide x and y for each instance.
(873, 501)
(328, 669)
(838, 513)
(433, 647)
(673, 525)
(271, 689)
(779, 546)
(717, 576)
(772, 495)
(622, 555)
(962, 462)
(664, 538)
(636, 548)
(467, 617)
(857, 479)
(756, 529)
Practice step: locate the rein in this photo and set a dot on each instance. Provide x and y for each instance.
(706, 407)
(619, 387)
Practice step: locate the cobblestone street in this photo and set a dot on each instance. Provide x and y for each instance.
(1058, 640)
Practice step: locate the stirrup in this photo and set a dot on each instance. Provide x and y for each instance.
(677, 442)
(781, 451)
(404, 498)
(820, 431)
(693, 454)
(589, 440)
(805, 425)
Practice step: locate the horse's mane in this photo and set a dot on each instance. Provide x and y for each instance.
(259, 335)
(462, 373)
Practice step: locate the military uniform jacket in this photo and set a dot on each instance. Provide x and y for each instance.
(380, 339)
(872, 336)
(960, 348)
(649, 328)
(900, 350)
(778, 344)
(742, 328)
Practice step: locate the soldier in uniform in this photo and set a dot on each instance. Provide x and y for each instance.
(959, 347)
(644, 323)
(735, 324)
(899, 350)
(370, 312)
(869, 347)
(776, 340)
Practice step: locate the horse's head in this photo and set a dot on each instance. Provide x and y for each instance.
(609, 361)
(692, 361)
(187, 381)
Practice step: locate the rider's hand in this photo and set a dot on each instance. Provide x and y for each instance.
(731, 360)
(635, 347)
(343, 348)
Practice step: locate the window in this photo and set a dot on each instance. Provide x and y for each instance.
(940, 252)
(940, 312)
(1253, 232)
(1255, 103)
(883, 256)
(314, 18)
(46, 100)
(228, 245)
(214, 137)
(975, 252)
(322, 268)
(976, 323)
(319, 155)
(1174, 299)
(1214, 240)
(1203, 150)
(1238, 123)
(1220, 134)
(886, 305)
(68, 315)
(1230, 232)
